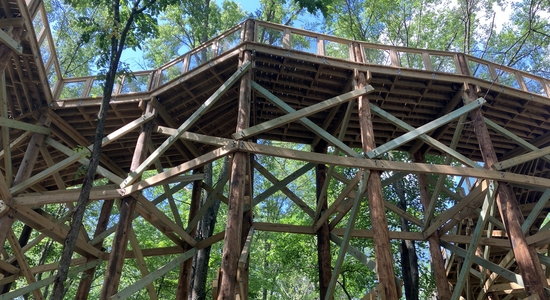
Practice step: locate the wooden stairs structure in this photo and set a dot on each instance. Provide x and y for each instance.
(262, 81)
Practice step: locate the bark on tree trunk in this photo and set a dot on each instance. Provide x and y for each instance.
(409, 260)
(323, 234)
(184, 282)
(206, 229)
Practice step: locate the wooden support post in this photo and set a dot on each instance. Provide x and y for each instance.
(127, 208)
(382, 246)
(184, 280)
(323, 233)
(443, 291)
(233, 229)
(526, 257)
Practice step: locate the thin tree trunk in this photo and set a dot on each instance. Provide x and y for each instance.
(409, 259)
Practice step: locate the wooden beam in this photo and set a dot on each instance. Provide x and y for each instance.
(347, 235)
(276, 187)
(356, 253)
(5, 133)
(384, 165)
(44, 282)
(425, 128)
(8, 41)
(11, 123)
(138, 285)
(297, 200)
(514, 161)
(237, 182)
(23, 264)
(186, 125)
(382, 246)
(302, 113)
(184, 167)
(142, 265)
(305, 121)
(429, 140)
(505, 273)
(474, 196)
(469, 258)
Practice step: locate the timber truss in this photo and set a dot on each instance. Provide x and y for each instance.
(262, 81)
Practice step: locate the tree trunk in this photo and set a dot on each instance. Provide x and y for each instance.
(323, 234)
(409, 259)
(205, 230)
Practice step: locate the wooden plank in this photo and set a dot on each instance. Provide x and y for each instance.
(276, 187)
(186, 125)
(9, 267)
(243, 259)
(11, 123)
(505, 273)
(481, 223)
(302, 113)
(347, 235)
(64, 196)
(138, 285)
(23, 264)
(479, 191)
(424, 137)
(194, 137)
(142, 265)
(8, 41)
(6, 147)
(213, 196)
(44, 282)
(182, 168)
(514, 161)
(297, 200)
(429, 213)
(425, 128)
(306, 122)
(513, 137)
(384, 165)
(332, 208)
(17, 142)
(356, 253)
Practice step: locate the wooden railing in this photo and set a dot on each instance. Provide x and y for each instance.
(437, 62)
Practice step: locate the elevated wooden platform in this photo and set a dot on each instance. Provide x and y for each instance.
(417, 101)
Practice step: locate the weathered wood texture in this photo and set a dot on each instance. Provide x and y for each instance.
(382, 247)
(323, 233)
(512, 217)
(237, 185)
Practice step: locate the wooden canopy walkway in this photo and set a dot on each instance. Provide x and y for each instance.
(262, 81)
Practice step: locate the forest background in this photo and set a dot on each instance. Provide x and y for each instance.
(284, 266)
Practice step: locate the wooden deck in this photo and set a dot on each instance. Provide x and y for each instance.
(412, 89)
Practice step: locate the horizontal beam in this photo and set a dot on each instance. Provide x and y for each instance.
(385, 165)
(22, 125)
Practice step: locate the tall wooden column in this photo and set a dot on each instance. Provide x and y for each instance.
(237, 185)
(184, 280)
(382, 246)
(127, 207)
(323, 234)
(443, 291)
(526, 257)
